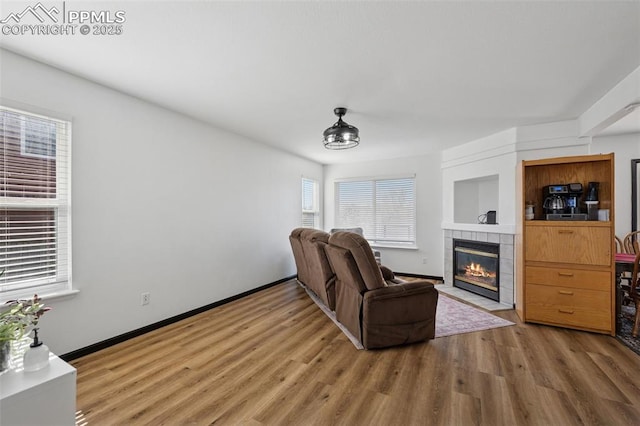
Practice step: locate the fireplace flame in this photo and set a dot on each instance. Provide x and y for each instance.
(478, 271)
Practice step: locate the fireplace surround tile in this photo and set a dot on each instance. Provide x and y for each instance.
(506, 242)
(506, 251)
(493, 238)
(481, 236)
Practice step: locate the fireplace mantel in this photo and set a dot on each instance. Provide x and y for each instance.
(479, 227)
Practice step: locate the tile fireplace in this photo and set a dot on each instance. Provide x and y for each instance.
(476, 267)
(504, 240)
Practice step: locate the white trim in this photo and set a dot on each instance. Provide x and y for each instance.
(21, 107)
(391, 246)
(478, 227)
(369, 178)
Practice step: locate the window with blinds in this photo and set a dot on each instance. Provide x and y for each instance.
(34, 204)
(384, 208)
(310, 208)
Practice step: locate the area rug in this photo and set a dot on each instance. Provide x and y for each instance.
(452, 317)
(624, 333)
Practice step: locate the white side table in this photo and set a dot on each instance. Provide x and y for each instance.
(43, 397)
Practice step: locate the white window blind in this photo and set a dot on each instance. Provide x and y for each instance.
(384, 208)
(34, 204)
(310, 208)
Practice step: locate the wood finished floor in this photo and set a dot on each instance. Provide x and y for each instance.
(274, 358)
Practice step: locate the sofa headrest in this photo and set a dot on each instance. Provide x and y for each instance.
(357, 230)
(361, 251)
(296, 232)
(345, 267)
(306, 232)
(318, 236)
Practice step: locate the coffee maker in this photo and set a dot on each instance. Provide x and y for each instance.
(573, 198)
(555, 201)
(592, 200)
(562, 202)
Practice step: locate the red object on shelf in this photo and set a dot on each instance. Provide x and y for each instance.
(625, 257)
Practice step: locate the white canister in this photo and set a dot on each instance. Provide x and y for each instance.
(603, 215)
(528, 211)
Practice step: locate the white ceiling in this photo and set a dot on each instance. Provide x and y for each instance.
(416, 76)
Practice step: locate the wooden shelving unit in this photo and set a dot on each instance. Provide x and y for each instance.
(566, 269)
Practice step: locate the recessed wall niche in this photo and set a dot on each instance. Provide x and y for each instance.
(474, 197)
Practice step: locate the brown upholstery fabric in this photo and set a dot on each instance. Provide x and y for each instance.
(359, 231)
(349, 289)
(298, 255)
(378, 314)
(399, 314)
(363, 256)
(320, 276)
(387, 274)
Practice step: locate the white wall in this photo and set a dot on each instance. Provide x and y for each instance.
(489, 164)
(473, 198)
(466, 201)
(504, 165)
(625, 148)
(162, 203)
(428, 208)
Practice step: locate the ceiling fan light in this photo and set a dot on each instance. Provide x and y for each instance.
(341, 135)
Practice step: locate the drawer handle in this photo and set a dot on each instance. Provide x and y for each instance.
(565, 231)
(568, 293)
(564, 311)
(565, 274)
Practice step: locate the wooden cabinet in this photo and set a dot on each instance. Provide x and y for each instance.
(579, 245)
(565, 269)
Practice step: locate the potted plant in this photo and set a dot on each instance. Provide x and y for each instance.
(17, 318)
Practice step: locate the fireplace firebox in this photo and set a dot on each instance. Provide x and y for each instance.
(476, 267)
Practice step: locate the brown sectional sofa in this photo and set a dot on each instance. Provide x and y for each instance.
(376, 307)
(314, 271)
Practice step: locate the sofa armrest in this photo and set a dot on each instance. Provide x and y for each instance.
(400, 304)
(387, 273)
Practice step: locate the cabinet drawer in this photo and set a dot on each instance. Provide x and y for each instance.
(569, 306)
(571, 244)
(574, 278)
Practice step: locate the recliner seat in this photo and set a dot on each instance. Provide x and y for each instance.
(379, 314)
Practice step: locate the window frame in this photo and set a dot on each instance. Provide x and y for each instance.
(24, 149)
(60, 283)
(376, 240)
(315, 210)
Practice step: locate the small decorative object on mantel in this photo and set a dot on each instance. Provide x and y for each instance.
(37, 356)
(17, 318)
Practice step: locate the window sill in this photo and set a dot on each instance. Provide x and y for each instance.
(390, 246)
(60, 294)
(54, 295)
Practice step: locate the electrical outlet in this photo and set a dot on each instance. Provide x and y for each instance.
(145, 299)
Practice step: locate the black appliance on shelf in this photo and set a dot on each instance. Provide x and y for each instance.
(562, 202)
